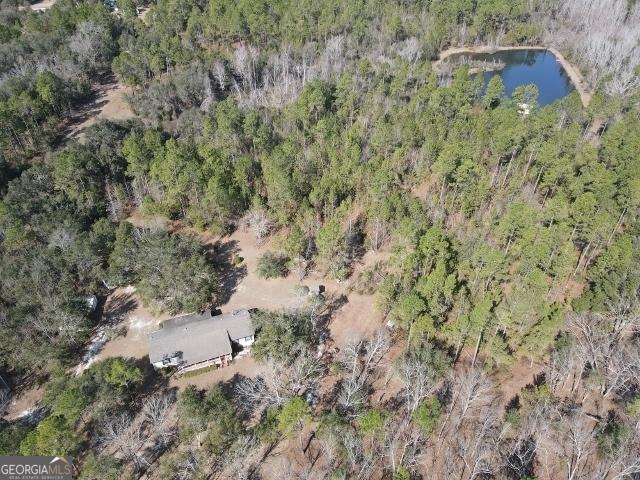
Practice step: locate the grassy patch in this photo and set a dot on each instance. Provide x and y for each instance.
(200, 371)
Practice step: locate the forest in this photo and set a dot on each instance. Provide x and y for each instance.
(506, 244)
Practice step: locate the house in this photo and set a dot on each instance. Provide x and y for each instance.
(194, 341)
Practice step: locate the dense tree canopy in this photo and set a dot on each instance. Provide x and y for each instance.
(503, 239)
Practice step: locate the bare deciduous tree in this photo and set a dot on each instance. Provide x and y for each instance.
(278, 381)
(401, 444)
(607, 345)
(188, 465)
(5, 397)
(220, 74)
(91, 44)
(359, 358)
(605, 34)
(259, 223)
(568, 444)
(241, 458)
(518, 456)
(124, 435)
(156, 413)
(418, 381)
(619, 458)
(245, 62)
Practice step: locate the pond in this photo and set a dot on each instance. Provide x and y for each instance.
(522, 67)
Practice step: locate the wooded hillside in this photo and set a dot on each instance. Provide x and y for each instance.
(508, 242)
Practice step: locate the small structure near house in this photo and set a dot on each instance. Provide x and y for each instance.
(195, 341)
(91, 302)
(317, 290)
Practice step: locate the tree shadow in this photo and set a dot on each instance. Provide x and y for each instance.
(394, 404)
(116, 308)
(245, 411)
(152, 381)
(332, 304)
(80, 114)
(110, 313)
(225, 255)
(228, 386)
(355, 242)
(85, 108)
(330, 398)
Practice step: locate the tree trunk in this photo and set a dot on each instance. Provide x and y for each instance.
(535, 187)
(475, 354)
(526, 169)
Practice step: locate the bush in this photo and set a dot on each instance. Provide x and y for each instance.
(53, 436)
(372, 421)
(211, 413)
(11, 435)
(272, 265)
(427, 414)
(633, 407)
(281, 334)
(293, 415)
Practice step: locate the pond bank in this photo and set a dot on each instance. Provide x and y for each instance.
(573, 72)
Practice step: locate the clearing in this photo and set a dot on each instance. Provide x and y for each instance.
(107, 102)
(355, 315)
(25, 404)
(125, 323)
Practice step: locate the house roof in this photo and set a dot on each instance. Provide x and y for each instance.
(199, 337)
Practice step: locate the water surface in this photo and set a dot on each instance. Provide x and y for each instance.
(528, 66)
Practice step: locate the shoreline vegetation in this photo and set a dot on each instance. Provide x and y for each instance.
(573, 71)
(475, 66)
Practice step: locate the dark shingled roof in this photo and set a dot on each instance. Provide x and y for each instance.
(199, 337)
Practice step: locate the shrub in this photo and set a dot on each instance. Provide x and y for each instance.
(372, 421)
(427, 414)
(53, 436)
(293, 415)
(272, 265)
(633, 407)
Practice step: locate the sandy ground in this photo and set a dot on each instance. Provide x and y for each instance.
(245, 366)
(107, 103)
(44, 5)
(356, 317)
(127, 322)
(40, 6)
(576, 77)
(24, 404)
